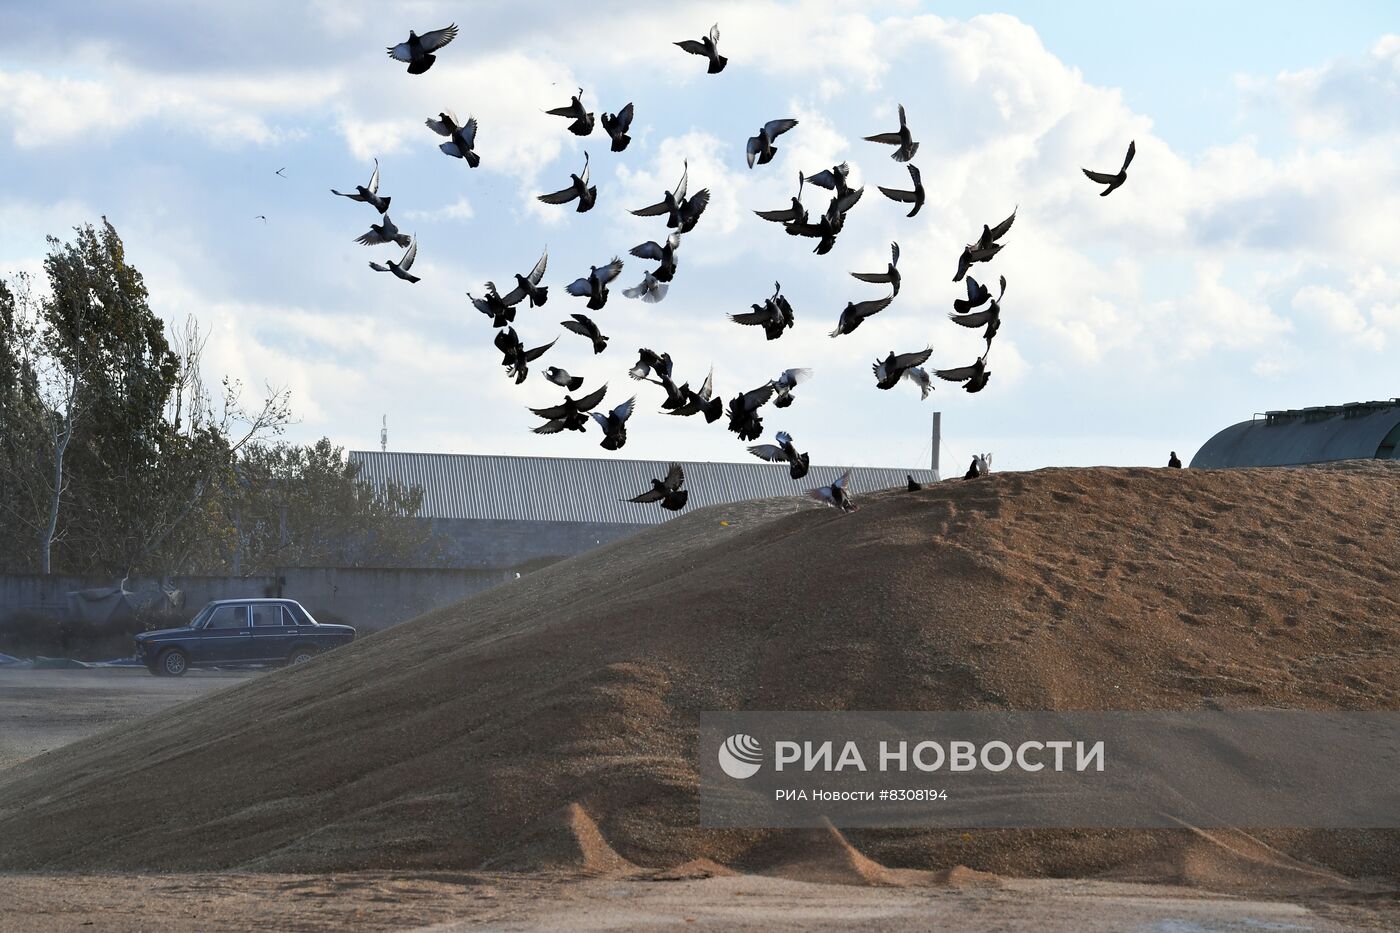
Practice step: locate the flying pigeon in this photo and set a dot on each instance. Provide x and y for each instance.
(854, 313)
(569, 415)
(493, 306)
(920, 377)
(401, 267)
(561, 377)
(595, 285)
(986, 246)
(915, 197)
(832, 179)
(583, 120)
(901, 138)
(584, 327)
(578, 188)
(369, 193)
(831, 222)
(668, 491)
(650, 289)
(676, 396)
(707, 46)
(514, 357)
(890, 370)
(461, 136)
(614, 424)
(974, 377)
(977, 295)
(617, 125)
(649, 361)
(889, 277)
(783, 452)
(1114, 181)
(788, 380)
(528, 286)
(743, 412)
(793, 214)
(991, 316)
(662, 253)
(837, 495)
(681, 212)
(775, 314)
(418, 51)
(760, 148)
(384, 232)
(702, 401)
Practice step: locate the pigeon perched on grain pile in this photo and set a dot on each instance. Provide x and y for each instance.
(417, 51)
(575, 111)
(783, 452)
(986, 246)
(901, 139)
(667, 491)
(514, 357)
(528, 286)
(614, 424)
(561, 378)
(594, 286)
(837, 495)
(1114, 181)
(743, 412)
(788, 380)
(707, 46)
(889, 277)
(570, 414)
(400, 268)
(974, 378)
(384, 232)
(890, 370)
(1175, 462)
(914, 196)
(914, 485)
(616, 126)
(461, 136)
(584, 326)
(760, 148)
(369, 193)
(856, 312)
(775, 315)
(578, 189)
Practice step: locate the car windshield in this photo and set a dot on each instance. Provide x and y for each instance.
(203, 616)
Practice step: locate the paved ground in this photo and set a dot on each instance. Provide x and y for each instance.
(41, 710)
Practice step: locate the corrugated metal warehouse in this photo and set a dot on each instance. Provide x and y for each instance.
(1355, 431)
(498, 512)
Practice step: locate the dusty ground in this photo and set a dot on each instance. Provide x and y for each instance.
(42, 710)
(441, 901)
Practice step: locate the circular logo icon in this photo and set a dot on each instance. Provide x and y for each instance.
(741, 756)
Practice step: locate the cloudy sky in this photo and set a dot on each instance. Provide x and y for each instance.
(1249, 263)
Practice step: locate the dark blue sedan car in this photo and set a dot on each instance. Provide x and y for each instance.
(239, 632)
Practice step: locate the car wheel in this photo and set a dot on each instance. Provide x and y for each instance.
(301, 656)
(172, 663)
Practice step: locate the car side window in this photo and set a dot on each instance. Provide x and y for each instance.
(229, 617)
(289, 617)
(266, 615)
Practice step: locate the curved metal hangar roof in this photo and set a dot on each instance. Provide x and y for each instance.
(1355, 431)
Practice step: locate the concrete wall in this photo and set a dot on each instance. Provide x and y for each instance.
(486, 543)
(368, 598)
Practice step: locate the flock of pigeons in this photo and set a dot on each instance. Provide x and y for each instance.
(682, 211)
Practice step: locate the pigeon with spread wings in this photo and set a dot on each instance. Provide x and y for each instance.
(400, 268)
(614, 424)
(493, 306)
(514, 357)
(889, 277)
(835, 179)
(701, 402)
(650, 289)
(783, 452)
(707, 46)
(528, 286)
(1114, 181)
(986, 246)
(616, 126)
(837, 495)
(664, 253)
(901, 139)
(743, 412)
(892, 369)
(385, 232)
(914, 196)
(760, 148)
(570, 414)
(667, 491)
(461, 137)
(856, 312)
(578, 188)
(788, 380)
(369, 193)
(990, 317)
(584, 326)
(775, 315)
(563, 379)
(594, 286)
(575, 111)
(417, 51)
(974, 378)
(795, 213)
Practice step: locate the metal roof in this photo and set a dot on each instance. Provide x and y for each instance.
(573, 489)
(1357, 431)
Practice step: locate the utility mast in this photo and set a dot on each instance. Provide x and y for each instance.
(384, 434)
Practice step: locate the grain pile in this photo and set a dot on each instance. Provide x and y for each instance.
(548, 724)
